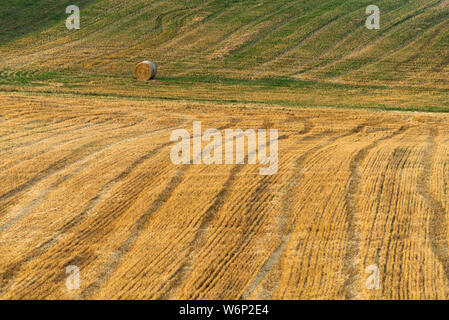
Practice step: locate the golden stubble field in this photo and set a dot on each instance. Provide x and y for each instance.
(89, 182)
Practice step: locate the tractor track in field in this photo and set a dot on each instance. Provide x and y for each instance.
(276, 255)
(385, 32)
(400, 157)
(306, 38)
(90, 207)
(117, 257)
(286, 229)
(398, 49)
(40, 127)
(438, 223)
(201, 235)
(245, 223)
(58, 144)
(257, 20)
(361, 177)
(352, 217)
(77, 43)
(421, 49)
(61, 164)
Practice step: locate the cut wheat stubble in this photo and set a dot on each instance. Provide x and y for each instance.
(145, 71)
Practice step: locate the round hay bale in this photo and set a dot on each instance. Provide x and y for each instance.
(145, 71)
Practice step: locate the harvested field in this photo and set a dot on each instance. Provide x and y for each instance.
(89, 182)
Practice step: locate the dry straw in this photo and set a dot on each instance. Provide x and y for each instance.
(145, 71)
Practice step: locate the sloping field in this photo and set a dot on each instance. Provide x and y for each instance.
(324, 39)
(86, 178)
(88, 182)
(270, 48)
